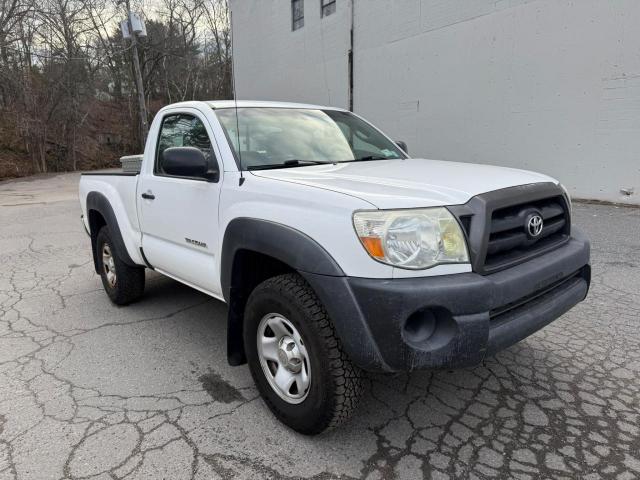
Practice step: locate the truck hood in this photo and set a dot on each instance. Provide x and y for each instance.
(407, 183)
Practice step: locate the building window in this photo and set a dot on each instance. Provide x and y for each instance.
(297, 14)
(327, 7)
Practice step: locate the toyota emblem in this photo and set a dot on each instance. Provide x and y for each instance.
(534, 225)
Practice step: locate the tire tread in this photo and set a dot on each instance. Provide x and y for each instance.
(131, 280)
(347, 378)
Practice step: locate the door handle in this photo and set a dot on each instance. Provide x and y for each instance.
(148, 196)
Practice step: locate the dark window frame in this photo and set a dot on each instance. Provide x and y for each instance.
(297, 22)
(325, 6)
(156, 160)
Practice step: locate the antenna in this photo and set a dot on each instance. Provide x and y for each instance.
(235, 99)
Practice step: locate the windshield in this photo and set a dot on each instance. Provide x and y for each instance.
(291, 137)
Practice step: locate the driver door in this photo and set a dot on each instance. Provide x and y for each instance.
(179, 215)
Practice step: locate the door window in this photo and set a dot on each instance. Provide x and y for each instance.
(183, 130)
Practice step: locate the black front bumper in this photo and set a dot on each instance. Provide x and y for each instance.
(452, 320)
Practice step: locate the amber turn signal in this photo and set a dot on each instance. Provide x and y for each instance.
(373, 246)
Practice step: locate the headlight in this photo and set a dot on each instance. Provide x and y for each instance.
(413, 239)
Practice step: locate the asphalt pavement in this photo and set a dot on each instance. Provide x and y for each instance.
(91, 390)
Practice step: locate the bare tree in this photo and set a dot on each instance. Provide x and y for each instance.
(67, 96)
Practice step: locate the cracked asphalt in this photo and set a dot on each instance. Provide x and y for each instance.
(90, 390)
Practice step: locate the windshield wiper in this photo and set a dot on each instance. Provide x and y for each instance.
(295, 163)
(288, 164)
(370, 157)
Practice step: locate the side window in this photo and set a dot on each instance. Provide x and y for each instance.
(327, 7)
(183, 130)
(297, 14)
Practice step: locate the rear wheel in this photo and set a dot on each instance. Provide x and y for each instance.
(296, 358)
(123, 283)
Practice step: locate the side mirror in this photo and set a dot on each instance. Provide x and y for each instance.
(187, 162)
(402, 145)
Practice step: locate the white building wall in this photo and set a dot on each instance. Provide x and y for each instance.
(546, 85)
(272, 62)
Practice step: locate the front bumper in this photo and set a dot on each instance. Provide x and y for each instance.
(453, 320)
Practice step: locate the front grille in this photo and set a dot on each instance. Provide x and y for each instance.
(508, 237)
(496, 225)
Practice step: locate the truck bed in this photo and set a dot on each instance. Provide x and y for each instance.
(118, 173)
(120, 189)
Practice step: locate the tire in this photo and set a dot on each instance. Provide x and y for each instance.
(334, 383)
(123, 283)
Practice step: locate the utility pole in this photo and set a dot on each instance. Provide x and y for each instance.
(350, 56)
(142, 106)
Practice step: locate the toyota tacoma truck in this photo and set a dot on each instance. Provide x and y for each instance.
(336, 252)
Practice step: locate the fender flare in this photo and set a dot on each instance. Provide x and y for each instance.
(98, 202)
(290, 246)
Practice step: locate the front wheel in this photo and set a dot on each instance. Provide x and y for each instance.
(296, 358)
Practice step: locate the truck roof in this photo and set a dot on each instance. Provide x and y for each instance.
(261, 103)
(218, 104)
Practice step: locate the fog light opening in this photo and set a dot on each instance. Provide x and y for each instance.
(420, 326)
(429, 327)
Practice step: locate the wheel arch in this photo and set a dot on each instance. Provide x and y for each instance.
(254, 250)
(99, 214)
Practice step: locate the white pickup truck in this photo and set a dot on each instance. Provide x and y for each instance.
(335, 251)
